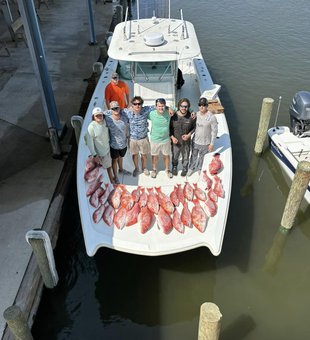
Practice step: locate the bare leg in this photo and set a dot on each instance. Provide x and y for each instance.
(155, 160)
(143, 161)
(120, 163)
(135, 161)
(167, 161)
(109, 170)
(114, 167)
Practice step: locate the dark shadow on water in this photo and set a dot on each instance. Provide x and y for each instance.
(238, 329)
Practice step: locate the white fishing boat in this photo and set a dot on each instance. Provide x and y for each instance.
(147, 54)
(292, 145)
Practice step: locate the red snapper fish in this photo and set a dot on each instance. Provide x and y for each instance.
(174, 197)
(206, 180)
(200, 194)
(92, 175)
(218, 187)
(100, 191)
(127, 200)
(89, 164)
(108, 215)
(104, 197)
(188, 191)
(132, 215)
(120, 218)
(94, 199)
(136, 194)
(97, 215)
(143, 198)
(199, 217)
(164, 221)
(94, 186)
(180, 194)
(152, 202)
(177, 223)
(186, 216)
(164, 201)
(210, 207)
(114, 198)
(212, 195)
(145, 219)
(215, 165)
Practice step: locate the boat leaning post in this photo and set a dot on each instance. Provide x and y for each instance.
(297, 192)
(43, 251)
(209, 321)
(17, 323)
(263, 124)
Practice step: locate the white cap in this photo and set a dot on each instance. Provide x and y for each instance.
(97, 110)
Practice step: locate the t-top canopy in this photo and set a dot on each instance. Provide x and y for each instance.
(180, 43)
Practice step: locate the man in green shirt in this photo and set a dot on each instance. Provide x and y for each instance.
(160, 139)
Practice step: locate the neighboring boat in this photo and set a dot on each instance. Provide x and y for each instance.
(147, 54)
(291, 146)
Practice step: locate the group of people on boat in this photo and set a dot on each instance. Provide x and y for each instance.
(171, 133)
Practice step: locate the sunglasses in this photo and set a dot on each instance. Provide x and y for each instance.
(184, 106)
(99, 115)
(115, 108)
(160, 99)
(202, 104)
(114, 78)
(136, 104)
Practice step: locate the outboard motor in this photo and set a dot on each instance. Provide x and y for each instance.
(300, 114)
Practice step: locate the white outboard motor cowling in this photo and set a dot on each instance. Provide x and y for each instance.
(300, 114)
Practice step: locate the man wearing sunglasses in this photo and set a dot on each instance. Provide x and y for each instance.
(205, 135)
(116, 91)
(182, 126)
(117, 124)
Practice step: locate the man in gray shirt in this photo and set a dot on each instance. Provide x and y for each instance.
(205, 135)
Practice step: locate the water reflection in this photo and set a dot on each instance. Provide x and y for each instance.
(247, 189)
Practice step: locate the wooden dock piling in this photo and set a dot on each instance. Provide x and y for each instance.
(209, 322)
(296, 194)
(263, 124)
(42, 249)
(17, 323)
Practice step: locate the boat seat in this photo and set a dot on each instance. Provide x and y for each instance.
(297, 147)
(150, 91)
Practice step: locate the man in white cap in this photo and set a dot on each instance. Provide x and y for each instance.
(116, 91)
(117, 124)
(98, 141)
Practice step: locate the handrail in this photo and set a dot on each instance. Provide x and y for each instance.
(162, 76)
(146, 77)
(183, 25)
(124, 35)
(169, 19)
(138, 16)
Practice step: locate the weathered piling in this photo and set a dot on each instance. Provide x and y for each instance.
(77, 123)
(209, 322)
(263, 124)
(296, 194)
(43, 251)
(17, 323)
(119, 13)
(97, 69)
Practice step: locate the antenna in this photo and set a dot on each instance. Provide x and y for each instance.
(169, 19)
(124, 31)
(275, 123)
(138, 16)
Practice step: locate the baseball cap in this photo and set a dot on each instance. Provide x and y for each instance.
(97, 110)
(114, 104)
(114, 74)
(203, 101)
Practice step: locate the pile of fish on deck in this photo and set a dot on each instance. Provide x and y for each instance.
(125, 208)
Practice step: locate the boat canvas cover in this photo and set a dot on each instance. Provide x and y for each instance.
(133, 47)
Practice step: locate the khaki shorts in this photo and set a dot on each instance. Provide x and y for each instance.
(141, 145)
(106, 161)
(165, 148)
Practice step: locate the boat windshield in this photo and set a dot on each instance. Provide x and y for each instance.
(151, 69)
